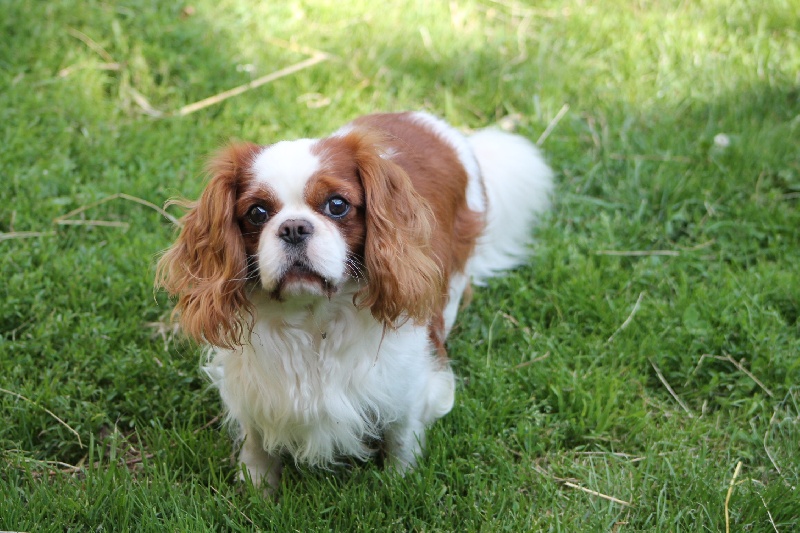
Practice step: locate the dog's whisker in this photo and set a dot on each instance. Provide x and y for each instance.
(354, 266)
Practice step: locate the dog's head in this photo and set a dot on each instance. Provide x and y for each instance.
(300, 219)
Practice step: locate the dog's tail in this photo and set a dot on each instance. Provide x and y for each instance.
(518, 185)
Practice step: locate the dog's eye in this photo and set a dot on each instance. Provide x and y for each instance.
(337, 207)
(257, 215)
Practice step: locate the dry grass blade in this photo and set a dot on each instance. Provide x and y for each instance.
(645, 157)
(728, 497)
(166, 329)
(231, 505)
(670, 390)
(236, 91)
(64, 72)
(294, 47)
(532, 361)
(207, 424)
(637, 253)
(766, 435)
(619, 455)
(150, 205)
(749, 374)
(104, 223)
(572, 483)
(700, 246)
(553, 123)
(58, 467)
(739, 367)
(46, 410)
(54, 467)
(24, 235)
(91, 43)
(66, 219)
(598, 494)
(144, 104)
(771, 520)
(630, 317)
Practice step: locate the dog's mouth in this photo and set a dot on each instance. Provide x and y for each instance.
(301, 278)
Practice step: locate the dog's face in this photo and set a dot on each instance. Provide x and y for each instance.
(301, 214)
(298, 219)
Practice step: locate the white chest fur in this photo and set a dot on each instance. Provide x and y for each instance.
(320, 379)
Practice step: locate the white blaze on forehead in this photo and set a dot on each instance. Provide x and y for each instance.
(286, 167)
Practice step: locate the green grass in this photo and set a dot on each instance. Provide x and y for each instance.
(544, 397)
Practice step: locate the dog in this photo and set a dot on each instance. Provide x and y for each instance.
(326, 274)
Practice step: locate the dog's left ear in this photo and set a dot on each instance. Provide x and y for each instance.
(206, 268)
(404, 278)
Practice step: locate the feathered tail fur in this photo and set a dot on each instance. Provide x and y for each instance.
(518, 185)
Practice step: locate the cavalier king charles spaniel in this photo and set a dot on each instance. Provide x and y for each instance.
(325, 274)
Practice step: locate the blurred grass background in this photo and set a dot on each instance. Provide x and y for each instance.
(650, 347)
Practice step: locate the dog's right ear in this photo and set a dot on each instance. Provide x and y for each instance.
(206, 268)
(404, 277)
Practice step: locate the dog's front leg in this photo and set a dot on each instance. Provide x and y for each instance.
(405, 438)
(261, 466)
(404, 443)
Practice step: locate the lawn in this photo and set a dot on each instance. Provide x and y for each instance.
(641, 374)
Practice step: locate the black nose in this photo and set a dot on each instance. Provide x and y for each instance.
(295, 231)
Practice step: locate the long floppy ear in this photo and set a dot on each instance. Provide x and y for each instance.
(404, 280)
(206, 268)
